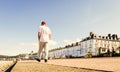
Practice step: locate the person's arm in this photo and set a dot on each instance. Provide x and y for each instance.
(49, 36)
(38, 36)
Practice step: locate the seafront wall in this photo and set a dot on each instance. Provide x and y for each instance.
(4, 65)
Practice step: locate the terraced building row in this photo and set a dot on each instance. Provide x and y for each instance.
(93, 44)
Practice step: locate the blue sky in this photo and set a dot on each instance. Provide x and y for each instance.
(69, 20)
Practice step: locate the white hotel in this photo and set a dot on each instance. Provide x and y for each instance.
(94, 44)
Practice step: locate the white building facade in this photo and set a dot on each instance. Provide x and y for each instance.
(94, 44)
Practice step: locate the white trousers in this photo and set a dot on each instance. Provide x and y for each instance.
(43, 45)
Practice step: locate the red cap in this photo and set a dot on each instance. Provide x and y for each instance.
(43, 22)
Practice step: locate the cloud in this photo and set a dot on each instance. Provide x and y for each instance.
(67, 42)
(22, 44)
(28, 44)
(78, 39)
(52, 43)
(35, 44)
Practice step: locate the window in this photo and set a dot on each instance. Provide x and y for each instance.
(103, 49)
(96, 40)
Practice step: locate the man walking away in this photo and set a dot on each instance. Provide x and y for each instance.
(44, 35)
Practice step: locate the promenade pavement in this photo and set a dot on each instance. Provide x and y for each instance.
(33, 66)
(105, 64)
(111, 64)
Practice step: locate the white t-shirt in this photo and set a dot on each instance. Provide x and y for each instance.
(44, 32)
